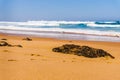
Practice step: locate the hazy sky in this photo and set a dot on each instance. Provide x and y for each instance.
(24, 10)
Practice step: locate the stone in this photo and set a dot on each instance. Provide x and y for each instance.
(10, 45)
(28, 39)
(18, 46)
(3, 39)
(3, 43)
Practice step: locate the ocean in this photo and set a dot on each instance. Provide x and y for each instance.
(72, 30)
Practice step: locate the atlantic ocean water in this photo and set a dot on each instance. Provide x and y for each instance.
(72, 30)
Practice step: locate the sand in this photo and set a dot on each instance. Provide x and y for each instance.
(36, 61)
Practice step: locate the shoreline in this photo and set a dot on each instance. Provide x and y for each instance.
(67, 36)
(40, 37)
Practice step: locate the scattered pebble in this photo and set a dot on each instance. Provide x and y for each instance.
(35, 55)
(32, 54)
(5, 51)
(18, 46)
(12, 60)
(72, 61)
(38, 55)
(32, 59)
(27, 39)
(3, 39)
(64, 61)
(70, 41)
(4, 43)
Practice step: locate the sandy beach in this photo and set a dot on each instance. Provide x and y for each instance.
(36, 61)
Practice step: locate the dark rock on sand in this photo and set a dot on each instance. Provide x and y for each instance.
(3, 39)
(18, 46)
(10, 45)
(28, 39)
(82, 51)
(12, 60)
(3, 43)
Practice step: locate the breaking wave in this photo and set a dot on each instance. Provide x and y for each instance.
(84, 27)
(58, 23)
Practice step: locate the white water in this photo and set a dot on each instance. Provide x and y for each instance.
(35, 27)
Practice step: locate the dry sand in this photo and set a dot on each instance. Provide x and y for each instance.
(36, 61)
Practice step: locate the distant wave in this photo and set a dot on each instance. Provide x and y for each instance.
(85, 27)
(58, 23)
(101, 25)
(45, 23)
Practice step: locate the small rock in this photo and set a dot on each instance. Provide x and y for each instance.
(3, 43)
(38, 55)
(12, 60)
(32, 59)
(32, 54)
(28, 39)
(18, 46)
(10, 45)
(5, 50)
(3, 39)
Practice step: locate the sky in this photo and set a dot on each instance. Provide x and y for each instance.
(78, 10)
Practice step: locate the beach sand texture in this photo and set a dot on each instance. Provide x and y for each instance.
(36, 61)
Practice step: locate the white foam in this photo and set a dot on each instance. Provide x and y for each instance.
(22, 26)
(58, 23)
(46, 23)
(95, 32)
(101, 25)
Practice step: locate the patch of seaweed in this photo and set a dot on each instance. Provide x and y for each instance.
(4, 43)
(85, 51)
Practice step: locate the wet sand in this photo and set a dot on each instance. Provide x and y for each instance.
(36, 61)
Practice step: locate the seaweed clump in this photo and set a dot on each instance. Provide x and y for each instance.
(85, 51)
(4, 43)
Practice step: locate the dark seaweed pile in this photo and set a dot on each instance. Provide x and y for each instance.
(85, 51)
(4, 43)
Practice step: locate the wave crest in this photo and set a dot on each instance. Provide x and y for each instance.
(85, 27)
